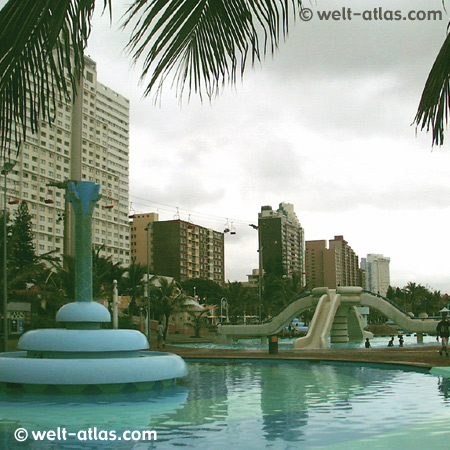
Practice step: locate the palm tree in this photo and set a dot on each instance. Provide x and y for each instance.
(240, 298)
(134, 286)
(202, 44)
(168, 298)
(416, 294)
(104, 272)
(434, 106)
(198, 319)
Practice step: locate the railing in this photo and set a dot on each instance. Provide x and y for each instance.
(397, 306)
(275, 315)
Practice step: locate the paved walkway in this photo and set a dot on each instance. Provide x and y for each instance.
(424, 356)
(427, 356)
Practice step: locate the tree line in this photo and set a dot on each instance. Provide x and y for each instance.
(52, 285)
(47, 282)
(418, 299)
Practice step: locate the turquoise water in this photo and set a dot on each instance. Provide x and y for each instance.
(246, 405)
(288, 344)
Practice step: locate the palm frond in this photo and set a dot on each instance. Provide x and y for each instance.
(41, 58)
(433, 110)
(203, 42)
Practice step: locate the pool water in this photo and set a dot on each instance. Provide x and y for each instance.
(288, 343)
(259, 404)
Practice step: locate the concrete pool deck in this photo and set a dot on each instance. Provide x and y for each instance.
(426, 356)
(423, 356)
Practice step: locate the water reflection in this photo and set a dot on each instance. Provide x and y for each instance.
(241, 404)
(118, 412)
(443, 386)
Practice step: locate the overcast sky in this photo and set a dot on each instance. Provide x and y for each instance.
(325, 124)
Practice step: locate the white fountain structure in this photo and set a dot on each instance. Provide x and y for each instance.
(84, 357)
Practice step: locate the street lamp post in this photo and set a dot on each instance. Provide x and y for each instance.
(147, 229)
(260, 268)
(223, 304)
(115, 306)
(7, 167)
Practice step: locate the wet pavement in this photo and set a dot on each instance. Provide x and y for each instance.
(421, 356)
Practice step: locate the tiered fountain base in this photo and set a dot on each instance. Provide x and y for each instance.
(87, 360)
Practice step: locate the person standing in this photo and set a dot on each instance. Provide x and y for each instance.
(443, 331)
(160, 331)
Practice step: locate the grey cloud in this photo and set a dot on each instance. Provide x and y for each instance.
(272, 168)
(183, 189)
(338, 198)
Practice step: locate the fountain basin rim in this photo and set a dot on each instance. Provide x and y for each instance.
(150, 366)
(62, 340)
(83, 312)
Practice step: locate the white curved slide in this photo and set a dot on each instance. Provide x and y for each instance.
(229, 332)
(321, 323)
(402, 319)
(328, 302)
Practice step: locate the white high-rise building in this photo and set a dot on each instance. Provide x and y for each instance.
(377, 272)
(45, 160)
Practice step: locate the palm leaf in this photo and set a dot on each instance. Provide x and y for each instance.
(203, 43)
(434, 104)
(41, 58)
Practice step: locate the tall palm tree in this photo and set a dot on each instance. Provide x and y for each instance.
(134, 286)
(434, 107)
(241, 299)
(202, 43)
(168, 298)
(104, 272)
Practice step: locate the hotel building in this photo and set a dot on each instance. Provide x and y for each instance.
(45, 161)
(331, 267)
(376, 268)
(177, 248)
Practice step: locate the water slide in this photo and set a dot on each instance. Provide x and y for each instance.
(321, 323)
(335, 313)
(397, 315)
(226, 333)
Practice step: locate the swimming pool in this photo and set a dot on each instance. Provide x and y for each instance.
(288, 344)
(263, 404)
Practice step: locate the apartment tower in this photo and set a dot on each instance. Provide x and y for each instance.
(331, 267)
(177, 248)
(377, 273)
(282, 241)
(45, 162)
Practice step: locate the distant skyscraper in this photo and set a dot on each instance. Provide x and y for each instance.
(282, 241)
(178, 249)
(46, 159)
(377, 272)
(331, 267)
(141, 234)
(346, 262)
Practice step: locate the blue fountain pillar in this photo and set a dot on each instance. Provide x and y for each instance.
(83, 313)
(83, 196)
